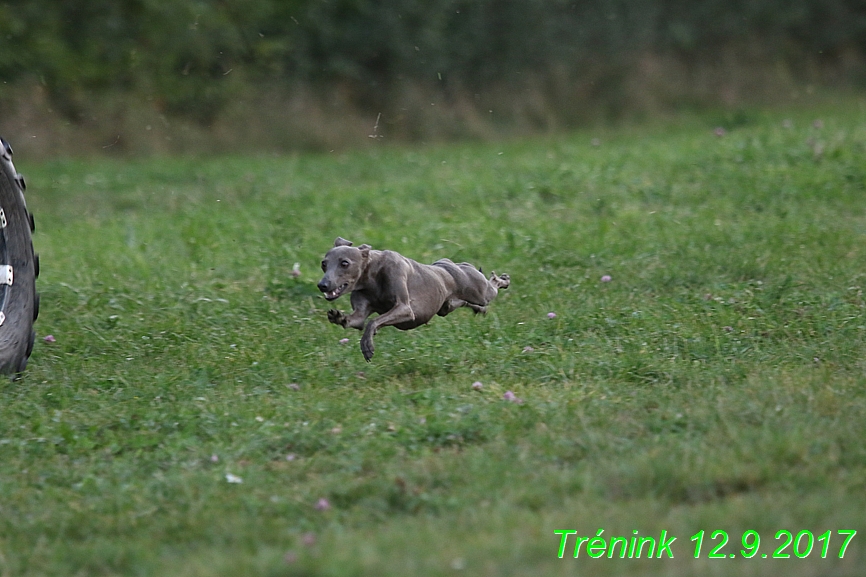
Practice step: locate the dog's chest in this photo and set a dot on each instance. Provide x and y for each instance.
(379, 304)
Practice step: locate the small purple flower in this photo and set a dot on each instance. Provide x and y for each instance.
(606, 278)
(511, 397)
(296, 270)
(322, 505)
(344, 341)
(49, 339)
(551, 315)
(477, 386)
(290, 457)
(528, 349)
(214, 458)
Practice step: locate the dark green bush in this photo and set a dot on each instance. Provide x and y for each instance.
(190, 57)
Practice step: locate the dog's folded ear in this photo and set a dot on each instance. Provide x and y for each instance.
(365, 250)
(342, 242)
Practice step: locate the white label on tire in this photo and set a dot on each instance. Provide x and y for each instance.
(2, 318)
(2, 218)
(6, 275)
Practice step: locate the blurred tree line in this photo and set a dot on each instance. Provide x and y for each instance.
(190, 57)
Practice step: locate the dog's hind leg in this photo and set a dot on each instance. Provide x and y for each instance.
(477, 309)
(502, 281)
(486, 290)
(453, 304)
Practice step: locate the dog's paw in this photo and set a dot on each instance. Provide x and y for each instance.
(337, 317)
(502, 281)
(367, 348)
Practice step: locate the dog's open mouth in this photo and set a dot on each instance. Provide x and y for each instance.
(331, 295)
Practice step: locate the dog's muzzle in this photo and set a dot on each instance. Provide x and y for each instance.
(332, 294)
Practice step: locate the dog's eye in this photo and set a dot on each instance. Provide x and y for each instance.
(344, 264)
(324, 266)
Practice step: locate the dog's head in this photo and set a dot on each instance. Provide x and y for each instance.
(343, 265)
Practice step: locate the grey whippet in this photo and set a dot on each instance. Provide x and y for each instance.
(405, 293)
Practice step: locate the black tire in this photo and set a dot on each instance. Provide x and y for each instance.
(19, 303)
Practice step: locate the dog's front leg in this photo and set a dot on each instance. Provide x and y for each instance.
(356, 320)
(401, 313)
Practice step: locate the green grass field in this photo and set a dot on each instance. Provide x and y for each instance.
(716, 382)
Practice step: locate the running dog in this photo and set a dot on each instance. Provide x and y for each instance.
(405, 294)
